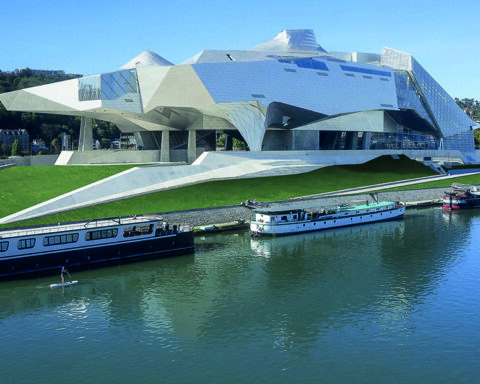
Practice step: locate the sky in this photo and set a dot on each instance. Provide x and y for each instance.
(90, 37)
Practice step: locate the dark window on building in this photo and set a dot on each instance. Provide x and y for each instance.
(258, 95)
(365, 70)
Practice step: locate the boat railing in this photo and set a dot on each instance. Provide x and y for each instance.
(81, 226)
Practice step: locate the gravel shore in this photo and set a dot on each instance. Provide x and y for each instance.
(232, 214)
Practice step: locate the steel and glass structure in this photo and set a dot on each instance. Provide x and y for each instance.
(285, 94)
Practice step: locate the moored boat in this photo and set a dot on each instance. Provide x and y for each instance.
(461, 196)
(38, 249)
(289, 220)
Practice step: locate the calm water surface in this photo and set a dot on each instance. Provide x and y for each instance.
(394, 302)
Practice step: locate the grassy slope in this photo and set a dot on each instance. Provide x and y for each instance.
(36, 187)
(443, 183)
(22, 187)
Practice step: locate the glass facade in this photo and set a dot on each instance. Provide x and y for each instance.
(118, 84)
(450, 118)
(417, 90)
(89, 88)
(407, 96)
(365, 70)
(118, 90)
(463, 142)
(381, 140)
(305, 63)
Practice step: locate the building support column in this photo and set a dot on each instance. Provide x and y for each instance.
(165, 147)
(85, 141)
(192, 146)
(352, 140)
(228, 143)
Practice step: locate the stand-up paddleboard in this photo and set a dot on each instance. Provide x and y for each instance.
(64, 284)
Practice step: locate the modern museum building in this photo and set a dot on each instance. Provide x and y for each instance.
(287, 94)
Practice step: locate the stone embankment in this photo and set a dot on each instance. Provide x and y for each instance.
(231, 215)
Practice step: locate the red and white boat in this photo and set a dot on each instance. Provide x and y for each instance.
(461, 196)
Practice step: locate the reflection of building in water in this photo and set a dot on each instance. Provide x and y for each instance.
(298, 289)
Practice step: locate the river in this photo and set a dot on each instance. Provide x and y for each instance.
(393, 302)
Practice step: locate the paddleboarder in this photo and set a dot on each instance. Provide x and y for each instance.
(64, 270)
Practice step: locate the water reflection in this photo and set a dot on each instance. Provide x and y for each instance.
(293, 294)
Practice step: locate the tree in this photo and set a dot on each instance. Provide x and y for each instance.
(56, 144)
(16, 148)
(476, 136)
(5, 150)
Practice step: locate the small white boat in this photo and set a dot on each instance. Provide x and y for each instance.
(284, 220)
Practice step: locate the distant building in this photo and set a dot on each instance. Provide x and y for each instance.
(37, 145)
(49, 71)
(8, 136)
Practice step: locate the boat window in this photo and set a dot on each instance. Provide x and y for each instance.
(295, 217)
(60, 239)
(137, 230)
(284, 218)
(26, 243)
(3, 246)
(101, 234)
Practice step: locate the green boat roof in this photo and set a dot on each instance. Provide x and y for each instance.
(278, 209)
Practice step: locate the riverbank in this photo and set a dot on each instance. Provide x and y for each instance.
(217, 219)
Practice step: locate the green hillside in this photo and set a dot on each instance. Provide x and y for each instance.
(30, 185)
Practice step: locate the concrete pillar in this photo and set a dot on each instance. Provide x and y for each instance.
(367, 136)
(85, 141)
(352, 141)
(192, 146)
(165, 149)
(228, 143)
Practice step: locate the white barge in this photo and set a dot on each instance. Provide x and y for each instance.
(277, 221)
(33, 250)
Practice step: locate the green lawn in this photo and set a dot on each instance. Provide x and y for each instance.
(28, 186)
(443, 183)
(22, 187)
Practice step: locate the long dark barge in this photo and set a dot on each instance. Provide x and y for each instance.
(40, 249)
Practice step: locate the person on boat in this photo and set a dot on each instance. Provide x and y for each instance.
(64, 270)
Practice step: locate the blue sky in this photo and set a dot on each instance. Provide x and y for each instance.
(89, 37)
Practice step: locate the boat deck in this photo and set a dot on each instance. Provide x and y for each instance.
(75, 226)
